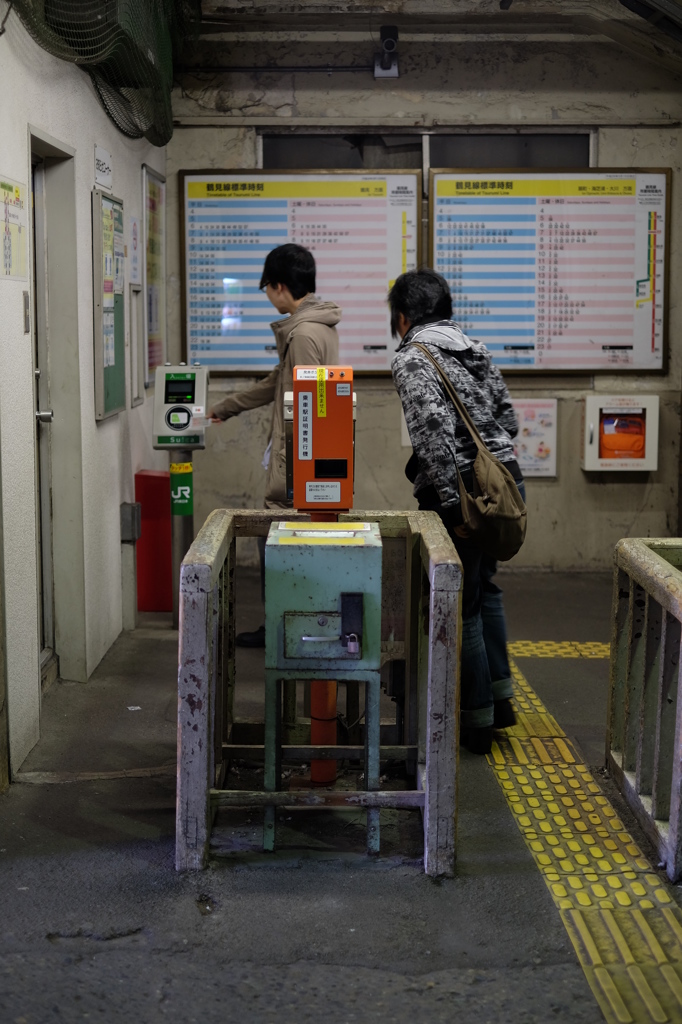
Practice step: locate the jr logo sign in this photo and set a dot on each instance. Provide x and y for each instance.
(182, 496)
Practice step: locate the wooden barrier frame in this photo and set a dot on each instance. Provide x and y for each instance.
(421, 624)
(644, 725)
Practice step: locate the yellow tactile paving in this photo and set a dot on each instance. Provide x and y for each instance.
(622, 920)
(555, 649)
(554, 797)
(632, 960)
(509, 748)
(590, 854)
(534, 723)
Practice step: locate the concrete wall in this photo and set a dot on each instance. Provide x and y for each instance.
(558, 83)
(58, 99)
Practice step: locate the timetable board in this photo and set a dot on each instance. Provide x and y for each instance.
(362, 228)
(556, 270)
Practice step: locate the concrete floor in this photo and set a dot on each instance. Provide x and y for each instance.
(96, 924)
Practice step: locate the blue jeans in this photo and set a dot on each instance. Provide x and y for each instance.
(486, 676)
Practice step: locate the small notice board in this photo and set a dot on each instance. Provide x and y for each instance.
(362, 228)
(108, 252)
(557, 270)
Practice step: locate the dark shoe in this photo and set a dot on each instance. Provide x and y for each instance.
(253, 639)
(504, 713)
(478, 741)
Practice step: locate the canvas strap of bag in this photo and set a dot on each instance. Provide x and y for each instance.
(500, 528)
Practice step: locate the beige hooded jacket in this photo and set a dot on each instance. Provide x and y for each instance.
(307, 338)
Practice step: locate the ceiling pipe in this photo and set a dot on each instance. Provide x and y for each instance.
(319, 69)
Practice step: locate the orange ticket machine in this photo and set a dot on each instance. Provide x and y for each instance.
(319, 432)
(322, 438)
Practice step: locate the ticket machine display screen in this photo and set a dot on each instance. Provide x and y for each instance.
(179, 391)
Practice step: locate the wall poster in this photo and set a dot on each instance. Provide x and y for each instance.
(14, 228)
(362, 227)
(557, 270)
(154, 269)
(108, 274)
(108, 283)
(535, 444)
(135, 243)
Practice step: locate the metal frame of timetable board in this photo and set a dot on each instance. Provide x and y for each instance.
(606, 173)
(109, 319)
(255, 175)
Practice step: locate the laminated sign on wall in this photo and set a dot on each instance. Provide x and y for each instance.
(108, 266)
(108, 283)
(535, 443)
(154, 268)
(135, 265)
(13, 226)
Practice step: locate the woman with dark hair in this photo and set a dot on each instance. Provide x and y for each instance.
(421, 311)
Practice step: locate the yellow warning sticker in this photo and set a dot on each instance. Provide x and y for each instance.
(303, 525)
(321, 392)
(181, 467)
(329, 539)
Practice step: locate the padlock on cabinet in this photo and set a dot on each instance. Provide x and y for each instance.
(353, 644)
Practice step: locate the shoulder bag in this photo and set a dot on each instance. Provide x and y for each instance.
(494, 513)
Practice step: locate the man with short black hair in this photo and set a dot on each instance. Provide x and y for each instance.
(306, 337)
(421, 311)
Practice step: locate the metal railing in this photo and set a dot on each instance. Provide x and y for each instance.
(421, 621)
(644, 731)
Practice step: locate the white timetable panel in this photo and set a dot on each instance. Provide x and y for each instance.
(556, 271)
(362, 229)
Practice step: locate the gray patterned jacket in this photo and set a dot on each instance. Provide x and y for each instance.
(437, 434)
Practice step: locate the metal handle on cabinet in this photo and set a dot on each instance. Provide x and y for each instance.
(591, 441)
(319, 639)
(45, 417)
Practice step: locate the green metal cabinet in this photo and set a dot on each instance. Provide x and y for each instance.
(308, 567)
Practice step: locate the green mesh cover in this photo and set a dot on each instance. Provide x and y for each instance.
(126, 46)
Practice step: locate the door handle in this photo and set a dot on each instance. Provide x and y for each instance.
(45, 417)
(320, 639)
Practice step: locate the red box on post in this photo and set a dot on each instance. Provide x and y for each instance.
(154, 552)
(323, 438)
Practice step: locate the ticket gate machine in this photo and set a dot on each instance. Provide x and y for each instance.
(179, 426)
(180, 405)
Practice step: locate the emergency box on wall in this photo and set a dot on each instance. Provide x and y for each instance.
(321, 443)
(180, 405)
(620, 432)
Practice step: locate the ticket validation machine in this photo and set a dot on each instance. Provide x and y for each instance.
(179, 426)
(180, 402)
(319, 427)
